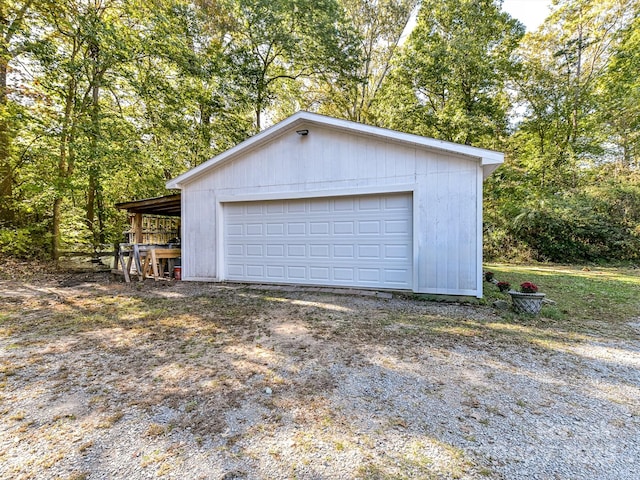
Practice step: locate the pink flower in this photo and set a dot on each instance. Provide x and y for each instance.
(528, 287)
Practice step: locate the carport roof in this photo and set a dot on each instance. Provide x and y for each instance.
(167, 205)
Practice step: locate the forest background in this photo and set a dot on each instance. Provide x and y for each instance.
(102, 101)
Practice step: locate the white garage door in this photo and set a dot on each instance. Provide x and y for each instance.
(363, 241)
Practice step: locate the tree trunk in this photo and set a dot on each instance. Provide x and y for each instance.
(55, 229)
(7, 216)
(94, 168)
(65, 166)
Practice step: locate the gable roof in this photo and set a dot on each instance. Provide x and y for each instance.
(489, 159)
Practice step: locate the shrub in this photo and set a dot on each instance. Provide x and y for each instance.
(31, 242)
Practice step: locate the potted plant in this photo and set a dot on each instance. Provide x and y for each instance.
(488, 276)
(527, 300)
(504, 286)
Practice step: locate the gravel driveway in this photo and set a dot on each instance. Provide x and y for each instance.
(102, 380)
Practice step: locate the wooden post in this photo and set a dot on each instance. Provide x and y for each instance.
(137, 228)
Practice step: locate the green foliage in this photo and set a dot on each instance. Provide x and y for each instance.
(450, 79)
(106, 101)
(600, 221)
(275, 42)
(379, 27)
(560, 89)
(31, 242)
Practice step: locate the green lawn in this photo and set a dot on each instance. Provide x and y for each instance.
(588, 300)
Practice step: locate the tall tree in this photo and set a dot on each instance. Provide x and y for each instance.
(13, 41)
(380, 26)
(85, 49)
(277, 41)
(450, 79)
(563, 64)
(619, 96)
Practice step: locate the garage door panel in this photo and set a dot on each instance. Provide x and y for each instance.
(235, 250)
(369, 252)
(296, 273)
(255, 271)
(296, 207)
(275, 251)
(396, 251)
(369, 275)
(319, 228)
(254, 229)
(349, 241)
(342, 274)
(254, 209)
(369, 227)
(319, 251)
(297, 251)
(398, 203)
(275, 272)
(344, 251)
(234, 230)
(395, 276)
(255, 251)
(297, 228)
(275, 208)
(344, 205)
(275, 229)
(369, 203)
(319, 273)
(396, 226)
(343, 228)
(235, 270)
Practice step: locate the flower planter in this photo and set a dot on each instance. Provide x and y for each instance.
(526, 302)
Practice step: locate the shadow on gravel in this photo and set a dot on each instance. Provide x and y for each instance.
(178, 381)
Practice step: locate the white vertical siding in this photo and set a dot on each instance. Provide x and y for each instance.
(198, 234)
(446, 189)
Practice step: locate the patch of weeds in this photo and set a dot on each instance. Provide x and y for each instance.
(111, 420)
(85, 446)
(97, 400)
(155, 430)
(63, 416)
(18, 416)
(553, 313)
(372, 471)
(304, 441)
(51, 460)
(275, 453)
(8, 370)
(397, 422)
(25, 427)
(493, 410)
(164, 469)
(190, 406)
(78, 476)
(154, 457)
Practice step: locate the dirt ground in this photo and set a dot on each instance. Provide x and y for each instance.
(101, 379)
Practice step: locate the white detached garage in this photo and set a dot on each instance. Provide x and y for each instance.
(315, 200)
